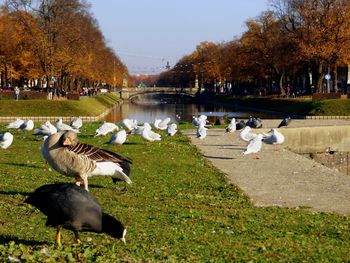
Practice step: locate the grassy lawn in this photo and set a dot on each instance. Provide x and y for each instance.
(89, 106)
(179, 208)
(292, 106)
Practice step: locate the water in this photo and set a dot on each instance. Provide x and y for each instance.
(148, 112)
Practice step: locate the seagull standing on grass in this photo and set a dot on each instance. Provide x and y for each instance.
(118, 138)
(106, 128)
(129, 124)
(150, 135)
(15, 124)
(161, 124)
(6, 140)
(76, 123)
(45, 129)
(172, 129)
(61, 126)
(27, 125)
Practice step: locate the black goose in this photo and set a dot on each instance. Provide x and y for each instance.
(72, 207)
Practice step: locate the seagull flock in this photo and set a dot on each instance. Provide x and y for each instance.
(253, 141)
(73, 207)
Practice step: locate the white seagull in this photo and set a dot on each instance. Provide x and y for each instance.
(150, 135)
(161, 124)
(61, 126)
(254, 145)
(202, 131)
(232, 126)
(246, 134)
(197, 121)
(275, 138)
(27, 125)
(6, 140)
(76, 123)
(129, 124)
(171, 129)
(118, 138)
(45, 129)
(106, 128)
(15, 124)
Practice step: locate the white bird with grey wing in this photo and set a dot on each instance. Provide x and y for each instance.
(6, 140)
(202, 131)
(15, 124)
(150, 135)
(254, 145)
(118, 138)
(81, 161)
(232, 126)
(27, 125)
(45, 129)
(106, 128)
(275, 138)
(161, 124)
(76, 123)
(61, 126)
(246, 134)
(171, 129)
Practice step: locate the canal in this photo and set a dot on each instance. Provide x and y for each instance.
(148, 107)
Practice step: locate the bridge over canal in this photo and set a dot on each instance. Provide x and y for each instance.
(128, 93)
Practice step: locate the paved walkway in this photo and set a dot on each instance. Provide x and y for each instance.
(278, 178)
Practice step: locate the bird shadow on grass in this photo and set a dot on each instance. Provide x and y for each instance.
(23, 165)
(11, 192)
(5, 239)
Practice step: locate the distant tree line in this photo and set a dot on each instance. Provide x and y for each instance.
(298, 43)
(55, 43)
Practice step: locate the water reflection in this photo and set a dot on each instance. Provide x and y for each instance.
(148, 113)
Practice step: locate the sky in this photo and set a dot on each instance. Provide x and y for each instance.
(146, 34)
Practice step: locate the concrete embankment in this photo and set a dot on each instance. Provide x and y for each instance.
(313, 135)
(283, 178)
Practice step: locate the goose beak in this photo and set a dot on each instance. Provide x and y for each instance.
(67, 142)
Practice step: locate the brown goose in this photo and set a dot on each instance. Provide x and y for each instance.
(81, 161)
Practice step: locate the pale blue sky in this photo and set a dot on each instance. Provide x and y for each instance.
(148, 33)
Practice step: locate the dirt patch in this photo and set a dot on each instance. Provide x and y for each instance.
(338, 161)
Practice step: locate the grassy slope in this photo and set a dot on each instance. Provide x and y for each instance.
(89, 106)
(293, 106)
(178, 208)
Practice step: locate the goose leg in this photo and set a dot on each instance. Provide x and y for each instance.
(58, 236)
(85, 181)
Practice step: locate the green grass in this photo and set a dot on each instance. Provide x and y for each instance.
(179, 208)
(335, 107)
(89, 106)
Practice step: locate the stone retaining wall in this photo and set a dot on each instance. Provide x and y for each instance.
(54, 118)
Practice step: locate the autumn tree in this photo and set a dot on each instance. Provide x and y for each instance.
(321, 29)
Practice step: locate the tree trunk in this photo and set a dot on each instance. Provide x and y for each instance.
(282, 90)
(320, 75)
(335, 81)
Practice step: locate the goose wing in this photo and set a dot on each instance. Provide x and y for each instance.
(97, 154)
